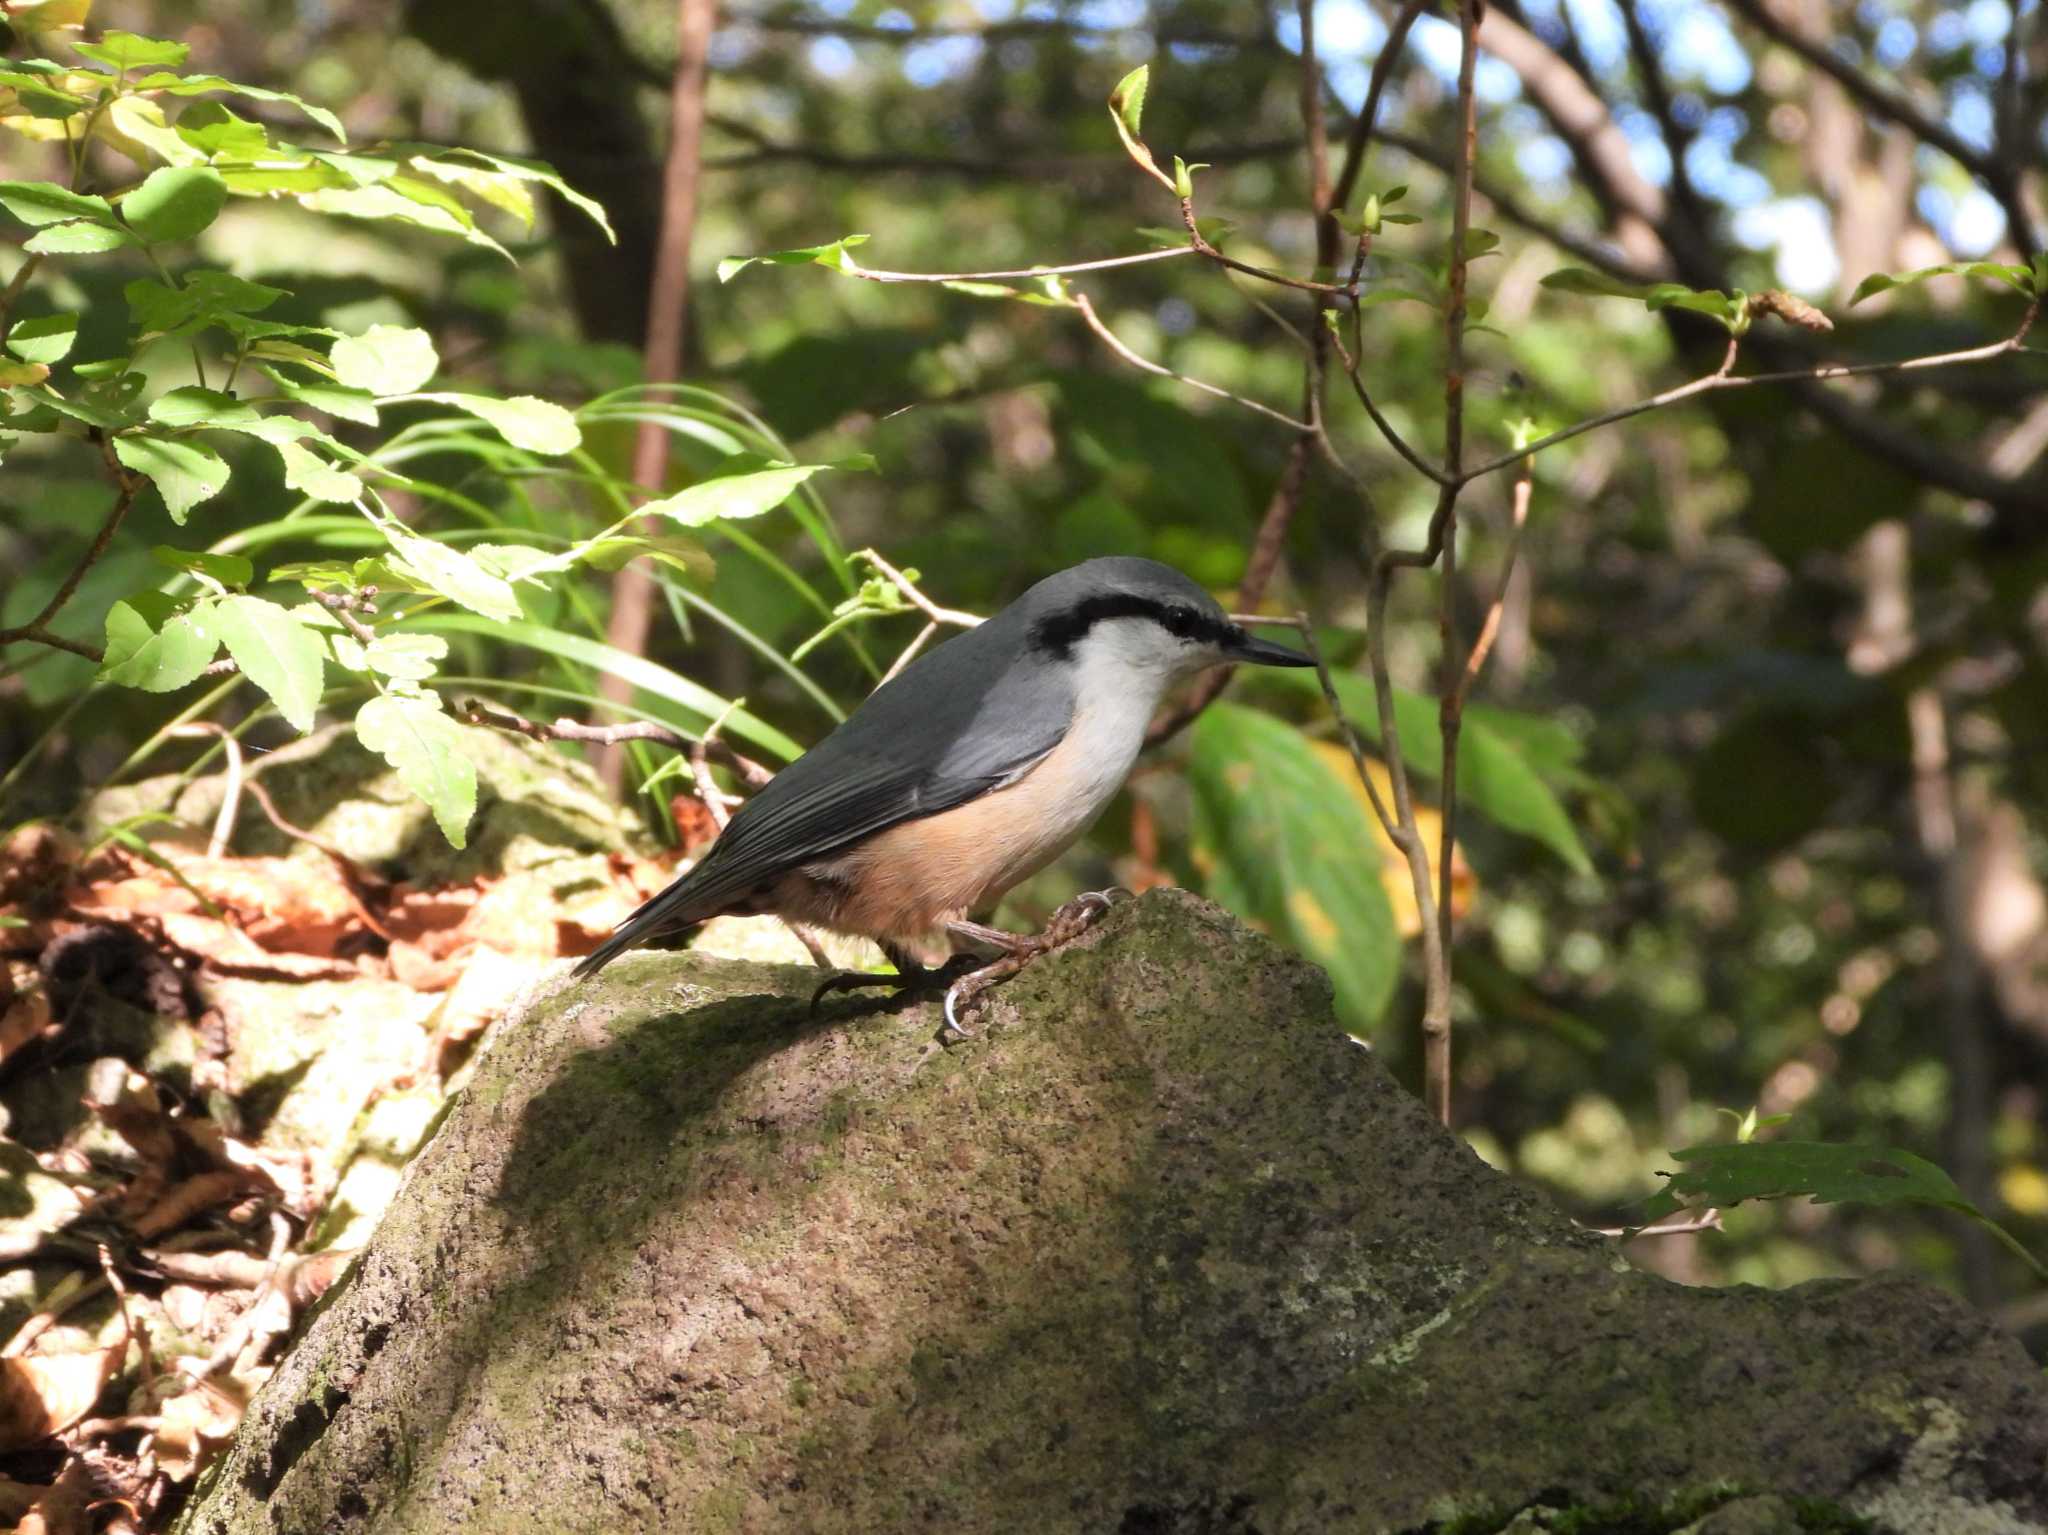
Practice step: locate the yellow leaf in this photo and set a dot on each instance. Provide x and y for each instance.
(1393, 867)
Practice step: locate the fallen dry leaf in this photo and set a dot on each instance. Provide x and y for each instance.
(42, 1394)
(193, 1425)
(62, 1509)
(285, 905)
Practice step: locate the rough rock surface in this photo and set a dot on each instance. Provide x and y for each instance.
(1161, 1250)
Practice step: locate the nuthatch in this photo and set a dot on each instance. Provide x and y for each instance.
(971, 770)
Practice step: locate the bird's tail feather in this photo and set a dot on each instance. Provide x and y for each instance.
(671, 912)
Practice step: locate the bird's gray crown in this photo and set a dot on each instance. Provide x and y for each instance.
(1064, 607)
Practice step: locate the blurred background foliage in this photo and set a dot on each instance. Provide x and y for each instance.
(1790, 649)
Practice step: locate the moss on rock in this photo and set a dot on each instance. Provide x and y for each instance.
(1161, 1251)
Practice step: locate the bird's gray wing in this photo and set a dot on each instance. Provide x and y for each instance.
(922, 743)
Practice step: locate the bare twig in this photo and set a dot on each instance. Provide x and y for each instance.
(955, 617)
(1705, 1220)
(1109, 339)
(924, 638)
(875, 274)
(342, 606)
(1362, 128)
(1724, 378)
(35, 629)
(477, 712)
(1489, 628)
(232, 784)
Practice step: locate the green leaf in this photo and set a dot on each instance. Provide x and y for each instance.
(735, 497)
(533, 424)
(175, 202)
(447, 570)
(1127, 101)
(833, 255)
(1500, 775)
(44, 202)
(1281, 842)
(278, 653)
(1184, 176)
(40, 97)
(125, 50)
(1729, 308)
(512, 168)
(1720, 1176)
(17, 374)
(1480, 242)
(191, 406)
(428, 751)
(405, 657)
(227, 569)
(1878, 282)
(392, 203)
(215, 131)
(161, 658)
(683, 554)
(206, 85)
(357, 405)
(185, 473)
(308, 473)
(385, 360)
(1574, 279)
(78, 239)
(44, 338)
(205, 296)
(321, 575)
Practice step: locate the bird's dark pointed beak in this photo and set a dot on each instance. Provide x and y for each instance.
(1257, 652)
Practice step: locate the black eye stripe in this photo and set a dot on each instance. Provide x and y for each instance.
(1058, 633)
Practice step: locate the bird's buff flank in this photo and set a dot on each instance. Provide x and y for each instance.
(970, 771)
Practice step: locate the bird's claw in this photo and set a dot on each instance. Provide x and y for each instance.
(1067, 924)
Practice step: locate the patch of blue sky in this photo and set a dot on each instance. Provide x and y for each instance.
(1797, 233)
(1969, 114)
(1544, 158)
(894, 20)
(1895, 42)
(1438, 44)
(1710, 162)
(1988, 21)
(1947, 31)
(935, 60)
(1602, 33)
(1698, 45)
(1968, 221)
(1646, 147)
(836, 8)
(996, 10)
(831, 57)
(1110, 14)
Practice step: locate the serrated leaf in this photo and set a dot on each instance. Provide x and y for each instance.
(77, 239)
(385, 360)
(426, 748)
(308, 473)
(44, 202)
(191, 406)
(1280, 841)
(44, 338)
(735, 497)
(228, 569)
(278, 653)
(175, 202)
(357, 405)
(524, 421)
(159, 658)
(120, 50)
(406, 657)
(448, 571)
(833, 255)
(1574, 279)
(1127, 101)
(206, 85)
(185, 473)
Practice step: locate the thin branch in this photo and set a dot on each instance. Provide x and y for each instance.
(1489, 629)
(476, 711)
(1362, 128)
(875, 274)
(956, 617)
(1416, 461)
(1724, 379)
(1109, 339)
(35, 628)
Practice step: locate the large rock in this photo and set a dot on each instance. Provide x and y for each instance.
(1162, 1250)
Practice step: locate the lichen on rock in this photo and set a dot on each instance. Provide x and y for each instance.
(1160, 1250)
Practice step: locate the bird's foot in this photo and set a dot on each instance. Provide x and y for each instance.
(906, 977)
(1066, 924)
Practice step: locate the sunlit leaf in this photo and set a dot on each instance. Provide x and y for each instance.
(447, 570)
(44, 338)
(185, 473)
(536, 425)
(406, 657)
(1281, 841)
(426, 748)
(76, 239)
(833, 255)
(735, 497)
(308, 473)
(120, 50)
(2019, 277)
(175, 203)
(158, 658)
(228, 569)
(385, 360)
(277, 652)
(44, 202)
(205, 85)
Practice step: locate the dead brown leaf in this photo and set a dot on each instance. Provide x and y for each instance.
(285, 905)
(193, 1425)
(184, 1200)
(62, 1509)
(43, 1394)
